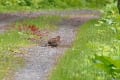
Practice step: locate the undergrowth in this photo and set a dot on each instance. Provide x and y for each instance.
(33, 5)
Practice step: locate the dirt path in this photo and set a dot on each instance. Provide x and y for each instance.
(8, 18)
(41, 60)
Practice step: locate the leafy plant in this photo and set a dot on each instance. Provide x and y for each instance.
(109, 65)
(24, 2)
(30, 5)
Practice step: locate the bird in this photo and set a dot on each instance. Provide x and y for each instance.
(54, 42)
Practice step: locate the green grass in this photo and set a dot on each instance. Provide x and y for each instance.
(11, 41)
(34, 5)
(42, 22)
(77, 63)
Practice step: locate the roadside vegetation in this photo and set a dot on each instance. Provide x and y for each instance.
(42, 22)
(11, 41)
(33, 5)
(95, 54)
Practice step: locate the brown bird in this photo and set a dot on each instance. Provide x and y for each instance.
(54, 42)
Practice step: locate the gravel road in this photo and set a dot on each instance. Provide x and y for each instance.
(41, 60)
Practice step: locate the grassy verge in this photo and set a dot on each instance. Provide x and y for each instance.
(76, 64)
(9, 44)
(42, 22)
(33, 5)
(11, 41)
